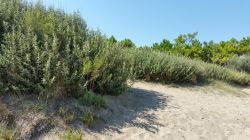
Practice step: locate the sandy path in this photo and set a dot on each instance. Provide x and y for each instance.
(160, 112)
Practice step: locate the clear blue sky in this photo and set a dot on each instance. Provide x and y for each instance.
(149, 21)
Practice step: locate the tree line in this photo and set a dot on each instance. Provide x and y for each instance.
(188, 45)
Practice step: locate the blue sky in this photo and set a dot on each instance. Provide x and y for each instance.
(149, 21)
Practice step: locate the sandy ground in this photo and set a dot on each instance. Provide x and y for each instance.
(162, 112)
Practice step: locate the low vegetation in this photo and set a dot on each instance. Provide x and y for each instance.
(88, 119)
(48, 53)
(70, 135)
(90, 98)
(158, 66)
(7, 134)
(44, 51)
(66, 114)
(51, 53)
(241, 63)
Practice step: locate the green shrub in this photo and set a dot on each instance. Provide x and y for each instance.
(240, 63)
(167, 68)
(162, 67)
(213, 71)
(46, 51)
(115, 72)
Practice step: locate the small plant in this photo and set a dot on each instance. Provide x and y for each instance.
(88, 119)
(70, 135)
(90, 98)
(66, 115)
(8, 134)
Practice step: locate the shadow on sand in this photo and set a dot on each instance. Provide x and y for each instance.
(133, 109)
(35, 117)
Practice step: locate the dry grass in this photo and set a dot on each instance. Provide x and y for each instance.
(3, 111)
(7, 134)
(6, 116)
(32, 117)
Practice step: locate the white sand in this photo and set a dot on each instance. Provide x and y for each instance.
(160, 112)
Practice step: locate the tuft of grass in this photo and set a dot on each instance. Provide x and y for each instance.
(8, 134)
(70, 135)
(66, 115)
(88, 119)
(90, 98)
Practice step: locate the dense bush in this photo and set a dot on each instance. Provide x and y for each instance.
(161, 67)
(241, 63)
(213, 71)
(115, 71)
(157, 66)
(48, 51)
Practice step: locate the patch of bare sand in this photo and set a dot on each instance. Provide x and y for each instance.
(160, 112)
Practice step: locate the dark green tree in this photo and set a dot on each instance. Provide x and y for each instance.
(127, 43)
(164, 46)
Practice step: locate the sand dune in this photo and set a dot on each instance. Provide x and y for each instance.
(161, 112)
